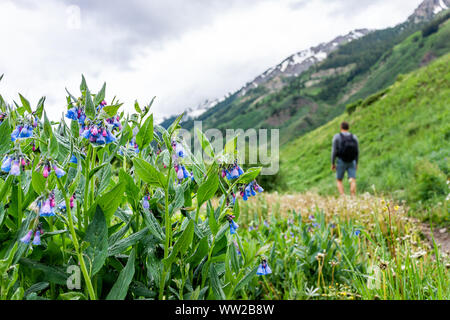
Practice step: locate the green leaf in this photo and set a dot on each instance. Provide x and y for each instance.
(40, 107)
(110, 201)
(212, 220)
(111, 110)
(50, 273)
(100, 96)
(47, 127)
(137, 108)
(53, 146)
(125, 243)
(149, 174)
(246, 279)
(182, 243)
(89, 105)
(120, 288)
(97, 237)
(204, 142)
(83, 85)
(5, 137)
(38, 182)
(200, 253)
(174, 125)
(208, 188)
(25, 103)
(249, 175)
(215, 283)
(153, 225)
(145, 134)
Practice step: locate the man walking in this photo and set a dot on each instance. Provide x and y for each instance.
(346, 149)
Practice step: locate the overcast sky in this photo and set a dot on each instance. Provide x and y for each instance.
(182, 51)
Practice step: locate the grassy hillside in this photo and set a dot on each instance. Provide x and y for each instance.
(356, 70)
(404, 136)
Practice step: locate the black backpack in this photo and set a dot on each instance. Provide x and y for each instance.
(348, 148)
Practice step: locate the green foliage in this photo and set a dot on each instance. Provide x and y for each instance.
(403, 125)
(122, 215)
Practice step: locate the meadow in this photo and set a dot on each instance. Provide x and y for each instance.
(106, 205)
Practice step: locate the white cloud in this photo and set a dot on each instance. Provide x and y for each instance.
(42, 54)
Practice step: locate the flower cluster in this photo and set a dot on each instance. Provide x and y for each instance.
(23, 131)
(62, 206)
(182, 172)
(233, 225)
(48, 168)
(77, 114)
(47, 207)
(12, 164)
(97, 134)
(263, 268)
(232, 172)
(115, 122)
(37, 236)
(178, 150)
(250, 190)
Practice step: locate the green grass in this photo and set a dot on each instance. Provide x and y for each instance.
(404, 142)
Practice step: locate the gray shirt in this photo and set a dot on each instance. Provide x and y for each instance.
(337, 142)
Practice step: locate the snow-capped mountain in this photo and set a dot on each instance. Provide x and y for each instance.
(301, 61)
(428, 8)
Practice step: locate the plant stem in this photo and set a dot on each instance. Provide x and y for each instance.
(87, 279)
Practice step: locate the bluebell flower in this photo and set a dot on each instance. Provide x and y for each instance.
(59, 172)
(357, 232)
(46, 209)
(145, 202)
(263, 269)
(72, 113)
(185, 172)
(6, 164)
(233, 227)
(37, 238)
(26, 238)
(15, 168)
(73, 159)
(15, 134)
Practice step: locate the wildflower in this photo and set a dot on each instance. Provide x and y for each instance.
(233, 225)
(357, 232)
(263, 268)
(315, 225)
(76, 114)
(37, 238)
(396, 208)
(266, 224)
(73, 159)
(145, 202)
(46, 171)
(6, 164)
(47, 208)
(15, 168)
(179, 149)
(26, 238)
(59, 172)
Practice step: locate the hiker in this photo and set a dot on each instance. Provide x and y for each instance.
(346, 149)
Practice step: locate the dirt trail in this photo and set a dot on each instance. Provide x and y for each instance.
(441, 236)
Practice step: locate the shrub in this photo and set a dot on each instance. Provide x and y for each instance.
(429, 182)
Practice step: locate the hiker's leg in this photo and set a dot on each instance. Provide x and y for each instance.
(352, 178)
(340, 171)
(352, 186)
(340, 187)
